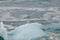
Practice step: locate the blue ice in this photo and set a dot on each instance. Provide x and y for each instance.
(27, 32)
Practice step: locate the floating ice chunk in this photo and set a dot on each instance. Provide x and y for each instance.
(52, 26)
(3, 31)
(27, 32)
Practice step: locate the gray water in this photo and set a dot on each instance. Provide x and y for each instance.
(16, 13)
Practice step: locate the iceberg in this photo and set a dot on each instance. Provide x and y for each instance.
(27, 31)
(51, 27)
(55, 26)
(3, 32)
